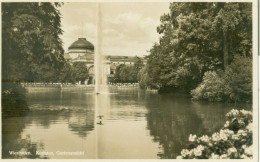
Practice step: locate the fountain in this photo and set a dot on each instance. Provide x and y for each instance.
(100, 62)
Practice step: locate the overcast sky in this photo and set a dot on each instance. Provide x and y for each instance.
(127, 28)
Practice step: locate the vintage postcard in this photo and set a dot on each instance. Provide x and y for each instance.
(141, 80)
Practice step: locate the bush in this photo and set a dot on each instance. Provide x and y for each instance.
(212, 88)
(13, 100)
(233, 141)
(233, 85)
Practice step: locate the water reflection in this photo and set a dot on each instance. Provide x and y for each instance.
(123, 133)
(81, 123)
(57, 117)
(12, 142)
(171, 118)
(123, 124)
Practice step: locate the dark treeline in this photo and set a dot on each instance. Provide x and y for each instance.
(78, 71)
(31, 50)
(127, 73)
(205, 49)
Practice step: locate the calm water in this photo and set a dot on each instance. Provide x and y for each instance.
(136, 124)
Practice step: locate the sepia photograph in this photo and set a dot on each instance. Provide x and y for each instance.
(129, 80)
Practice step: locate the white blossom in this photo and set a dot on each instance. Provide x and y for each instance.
(233, 112)
(227, 131)
(192, 138)
(226, 124)
(244, 112)
(242, 133)
(215, 137)
(185, 152)
(241, 122)
(244, 146)
(231, 150)
(198, 150)
(223, 135)
(249, 127)
(204, 138)
(214, 156)
(223, 156)
(235, 137)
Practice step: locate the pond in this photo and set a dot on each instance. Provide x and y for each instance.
(134, 124)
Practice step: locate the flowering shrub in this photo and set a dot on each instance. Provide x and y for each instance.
(233, 141)
(232, 85)
(211, 89)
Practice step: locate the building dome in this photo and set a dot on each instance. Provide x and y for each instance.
(81, 44)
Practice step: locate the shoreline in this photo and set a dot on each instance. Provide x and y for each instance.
(65, 86)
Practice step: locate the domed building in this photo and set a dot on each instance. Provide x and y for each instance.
(83, 51)
(81, 47)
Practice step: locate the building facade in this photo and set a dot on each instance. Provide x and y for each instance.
(84, 51)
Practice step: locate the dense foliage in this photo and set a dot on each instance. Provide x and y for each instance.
(13, 100)
(79, 71)
(212, 88)
(235, 84)
(238, 77)
(196, 38)
(66, 74)
(143, 78)
(126, 73)
(31, 50)
(233, 141)
(31, 46)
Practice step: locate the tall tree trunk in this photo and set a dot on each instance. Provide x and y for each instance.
(225, 49)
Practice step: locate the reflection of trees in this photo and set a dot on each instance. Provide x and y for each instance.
(128, 103)
(12, 140)
(79, 121)
(48, 106)
(44, 118)
(76, 108)
(170, 123)
(171, 119)
(213, 114)
(82, 123)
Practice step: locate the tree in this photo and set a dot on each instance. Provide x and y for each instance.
(234, 23)
(66, 74)
(238, 77)
(143, 78)
(32, 49)
(138, 65)
(196, 38)
(80, 71)
(128, 73)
